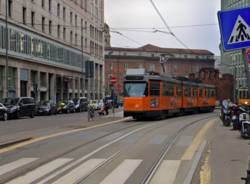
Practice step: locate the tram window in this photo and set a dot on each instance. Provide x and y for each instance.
(201, 92)
(164, 89)
(170, 89)
(195, 92)
(155, 88)
(212, 92)
(179, 90)
(187, 91)
(135, 89)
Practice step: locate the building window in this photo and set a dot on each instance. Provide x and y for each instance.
(82, 4)
(64, 13)
(58, 10)
(24, 15)
(71, 17)
(32, 19)
(64, 33)
(75, 20)
(42, 3)
(10, 7)
(43, 24)
(58, 31)
(50, 27)
(76, 39)
(71, 36)
(49, 5)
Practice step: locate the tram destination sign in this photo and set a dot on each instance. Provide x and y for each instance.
(235, 28)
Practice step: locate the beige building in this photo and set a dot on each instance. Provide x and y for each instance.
(49, 42)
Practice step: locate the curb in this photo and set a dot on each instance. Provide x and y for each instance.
(10, 143)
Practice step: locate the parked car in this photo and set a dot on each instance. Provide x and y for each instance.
(46, 108)
(19, 107)
(81, 104)
(3, 112)
(66, 107)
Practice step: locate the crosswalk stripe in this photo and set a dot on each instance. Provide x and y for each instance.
(16, 164)
(40, 171)
(80, 172)
(122, 172)
(167, 172)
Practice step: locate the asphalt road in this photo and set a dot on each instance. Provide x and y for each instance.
(165, 151)
(15, 129)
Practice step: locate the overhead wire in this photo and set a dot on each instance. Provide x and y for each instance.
(167, 26)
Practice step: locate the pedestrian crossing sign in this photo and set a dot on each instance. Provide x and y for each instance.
(235, 28)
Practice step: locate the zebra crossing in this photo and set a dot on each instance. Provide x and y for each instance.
(119, 175)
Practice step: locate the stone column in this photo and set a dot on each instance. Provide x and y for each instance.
(38, 86)
(18, 85)
(61, 87)
(97, 80)
(29, 84)
(79, 86)
(74, 87)
(52, 82)
(47, 85)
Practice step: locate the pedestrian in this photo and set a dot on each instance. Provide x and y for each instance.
(106, 107)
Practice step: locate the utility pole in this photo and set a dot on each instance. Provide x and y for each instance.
(6, 49)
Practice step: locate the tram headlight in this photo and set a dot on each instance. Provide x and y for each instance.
(245, 102)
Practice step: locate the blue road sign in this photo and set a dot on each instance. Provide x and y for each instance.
(235, 28)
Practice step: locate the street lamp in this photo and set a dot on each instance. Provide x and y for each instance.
(234, 82)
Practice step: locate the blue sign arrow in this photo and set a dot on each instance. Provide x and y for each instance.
(235, 28)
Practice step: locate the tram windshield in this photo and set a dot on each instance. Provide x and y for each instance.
(135, 89)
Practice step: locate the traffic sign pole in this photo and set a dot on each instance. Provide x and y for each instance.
(245, 61)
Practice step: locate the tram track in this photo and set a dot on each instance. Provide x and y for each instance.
(135, 128)
(153, 169)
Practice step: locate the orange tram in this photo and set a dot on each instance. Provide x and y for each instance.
(150, 95)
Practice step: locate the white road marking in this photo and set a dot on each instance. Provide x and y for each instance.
(89, 155)
(122, 172)
(40, 171)
(16, 164)
(167, 172)
(80, 172)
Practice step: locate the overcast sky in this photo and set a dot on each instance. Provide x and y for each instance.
(141, 14)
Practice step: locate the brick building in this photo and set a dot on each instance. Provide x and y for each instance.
(179, 62)
(224, 84)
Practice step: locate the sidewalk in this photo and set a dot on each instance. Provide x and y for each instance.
(25, 133)
(227, 155)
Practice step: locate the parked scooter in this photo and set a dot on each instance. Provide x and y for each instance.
(225, 113)
(244, 123)
(236, 111)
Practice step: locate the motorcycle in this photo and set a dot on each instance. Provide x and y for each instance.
(225, 113)
(244, 123)
(236, 111)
